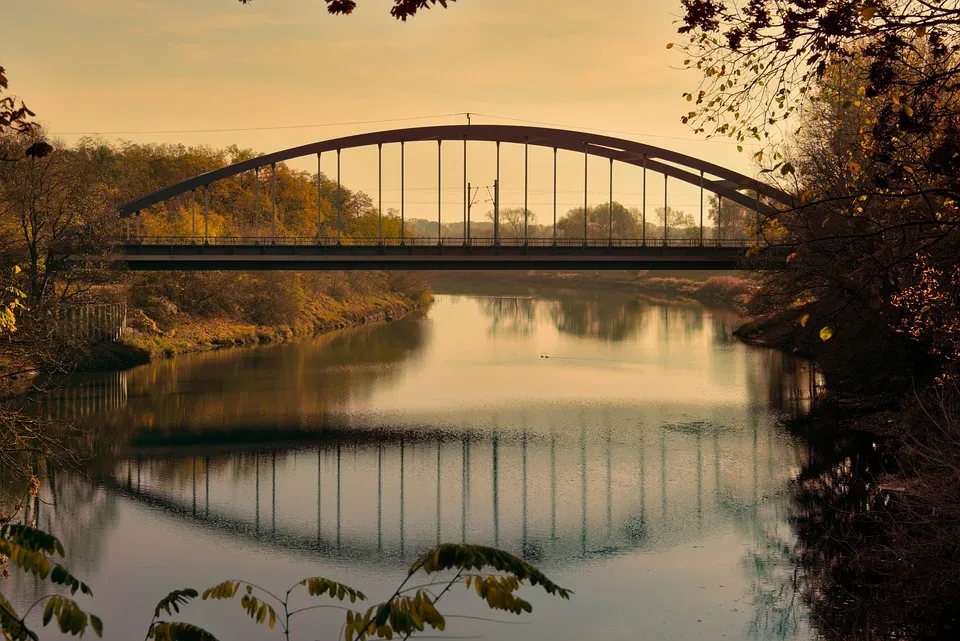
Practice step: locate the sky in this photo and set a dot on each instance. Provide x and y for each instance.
(135, 69)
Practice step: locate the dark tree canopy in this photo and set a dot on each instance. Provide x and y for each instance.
(761, 60)
(401, 10)
(16, 118)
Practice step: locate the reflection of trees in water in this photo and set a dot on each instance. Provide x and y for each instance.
(282, 386)
(77, 512)
(770, 566)
(847, 558)
(723, 326)
(606, 317)
(509, 316)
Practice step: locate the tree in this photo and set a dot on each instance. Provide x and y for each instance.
(601, 219)
(407, 612)
(761, 61)
(730, 219)
(51, 208)
(513, 222)
(669, 219)
(401, 10)
(16, 118)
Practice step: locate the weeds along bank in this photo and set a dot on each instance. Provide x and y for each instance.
(65, 203)
(174, 313)
(732, 290)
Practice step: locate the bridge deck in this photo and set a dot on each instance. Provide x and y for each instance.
(427, 254)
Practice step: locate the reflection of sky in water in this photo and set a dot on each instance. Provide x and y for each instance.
(640, 464)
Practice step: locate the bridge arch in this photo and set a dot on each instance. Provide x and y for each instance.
(694, 171)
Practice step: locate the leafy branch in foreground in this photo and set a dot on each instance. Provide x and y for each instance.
(33, 551)
(407, 612)
(401, 9)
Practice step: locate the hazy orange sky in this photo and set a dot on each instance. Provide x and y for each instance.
(134, 66)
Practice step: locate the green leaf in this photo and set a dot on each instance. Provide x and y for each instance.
(71, 618)
(452, 556)
(318, 586)
(178, 631)
(96, 624)
(31, 538)
(172, 601)
(225, 590)
(10, 624)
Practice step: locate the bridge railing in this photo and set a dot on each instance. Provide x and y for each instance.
(332, 241)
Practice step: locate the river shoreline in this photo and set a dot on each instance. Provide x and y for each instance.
(144, 342)
(726, 290)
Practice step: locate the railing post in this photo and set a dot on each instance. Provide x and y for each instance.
(643, 206)
(206, 214)
(139, 228)
(380, 193)
(469, 206)
(526, 172)
(496, 201)
(585, 157)
(193, 217)
(402, 242)
(759, 223)
(439, 193)
(610, 208)
(466, 195)
(496, 212)
(339, 201)
(554, 195)
(256, 196)
(701, 208)
(666, 210)
(319, 207)
(719, 217)
(273, 200)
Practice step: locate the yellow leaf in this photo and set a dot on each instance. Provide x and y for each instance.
(791, 257)
(669, 45)
(907, 109)
(854, 167)
(868, 13)
(804, 319)
(826, 333)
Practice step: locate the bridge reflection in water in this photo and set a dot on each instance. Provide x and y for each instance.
(288, 447)
(569, 495)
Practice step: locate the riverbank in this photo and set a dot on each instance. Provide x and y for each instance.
(144, 341)
(717, 289)
(882, 480)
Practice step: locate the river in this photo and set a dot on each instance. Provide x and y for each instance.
(631, 450)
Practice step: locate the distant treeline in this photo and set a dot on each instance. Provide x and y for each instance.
(604, 220)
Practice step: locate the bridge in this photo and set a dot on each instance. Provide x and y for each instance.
(701, 248)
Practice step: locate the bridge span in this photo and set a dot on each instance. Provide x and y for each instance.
(336, 242)
(301, 254)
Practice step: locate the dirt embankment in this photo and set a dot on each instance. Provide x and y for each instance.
(144, 341)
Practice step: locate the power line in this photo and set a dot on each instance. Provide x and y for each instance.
(613, 131)
(228, 130)
(385, 120)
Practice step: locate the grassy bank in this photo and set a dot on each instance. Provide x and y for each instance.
(144, 341)
(718, 289)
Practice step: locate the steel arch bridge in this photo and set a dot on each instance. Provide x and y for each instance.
(203, 251)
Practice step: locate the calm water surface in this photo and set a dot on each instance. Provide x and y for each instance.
(630, 450)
